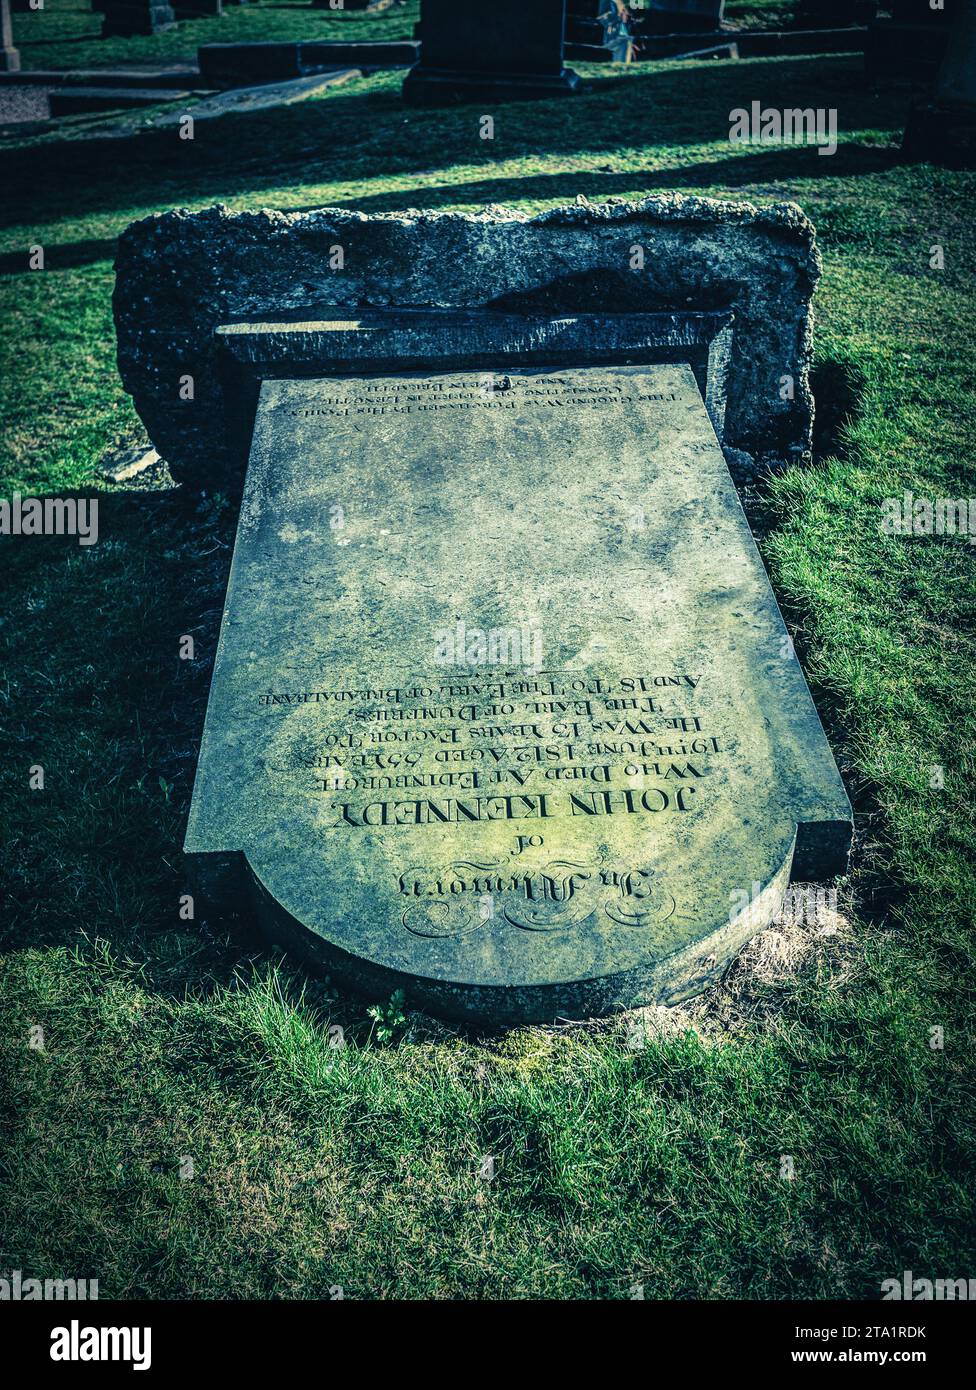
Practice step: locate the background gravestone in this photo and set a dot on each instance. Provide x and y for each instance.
(198, 9)
(912, 43)
(125, 18)
(506, 50)
(678, 16)
(9, 57)
(943, 127)
(956, 82)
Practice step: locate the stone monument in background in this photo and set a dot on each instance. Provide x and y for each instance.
(126, 18)
(505, 50)
(943, 127)
(199, 9)
(9, 57)
(912, 43)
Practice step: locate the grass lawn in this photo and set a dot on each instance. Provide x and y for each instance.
(187, 1129)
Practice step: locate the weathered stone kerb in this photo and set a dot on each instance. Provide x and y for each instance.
(180, 274)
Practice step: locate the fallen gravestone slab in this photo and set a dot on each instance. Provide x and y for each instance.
(121, 125)
(523, 734)
(757, 43)
(182, 75)
(718, 50)
(236, 64)
(504, 712)
(266, 96)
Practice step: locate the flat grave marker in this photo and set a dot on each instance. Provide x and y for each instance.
(504, 711)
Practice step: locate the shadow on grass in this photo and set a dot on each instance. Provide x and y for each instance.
(66, 256)
(95, 693)
(737, 171)
(838, 386)
(369, 134)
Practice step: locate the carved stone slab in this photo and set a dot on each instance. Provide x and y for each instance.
(504, 711)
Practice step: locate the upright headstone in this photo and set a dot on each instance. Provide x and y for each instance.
(198, 9)
(489, 50)
(503, 712)
(956, 82)
(125, 18)
(912, 43)
(677, 16)
(9, 56)
(943, 127)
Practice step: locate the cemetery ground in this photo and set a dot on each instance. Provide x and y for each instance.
(189, 1128)
(67, 33)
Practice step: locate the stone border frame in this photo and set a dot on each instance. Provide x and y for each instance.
(181, 275)
(380, 341)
